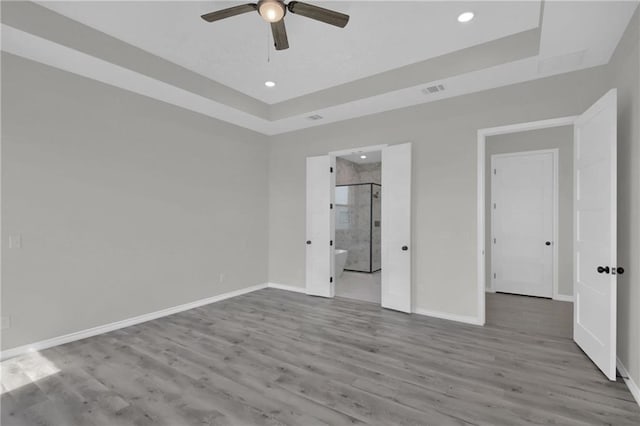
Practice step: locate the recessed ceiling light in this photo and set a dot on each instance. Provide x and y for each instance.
(466, 17)
(270, 83)
(364, 157)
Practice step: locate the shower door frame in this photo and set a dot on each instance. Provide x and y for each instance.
(370, 271)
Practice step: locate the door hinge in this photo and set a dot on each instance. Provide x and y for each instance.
(494, 241)
(495, 171)
(495, 206)
(331, 279)
(495, 276)
(330, 169)
(331, 243)
(331, 206)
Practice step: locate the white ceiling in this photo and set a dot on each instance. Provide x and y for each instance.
(379, 37)
(574, 35)
(372, 157)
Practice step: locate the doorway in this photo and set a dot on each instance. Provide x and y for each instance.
(394, 224)
(358, 233)
(529, 231)
(594, 200)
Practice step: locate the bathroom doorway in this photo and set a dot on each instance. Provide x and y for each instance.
(358, 226)
(394, 225)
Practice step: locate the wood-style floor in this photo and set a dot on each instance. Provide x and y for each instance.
(530, 314)
(274, 357)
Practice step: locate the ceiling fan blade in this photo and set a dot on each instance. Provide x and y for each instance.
(229, 12)
(280, 35)
(319, 14)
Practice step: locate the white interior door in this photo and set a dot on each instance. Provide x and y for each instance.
(595, 260)
(320, 226)
(522, 223)
(396, 227)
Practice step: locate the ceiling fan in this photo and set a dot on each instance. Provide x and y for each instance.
(273, 11)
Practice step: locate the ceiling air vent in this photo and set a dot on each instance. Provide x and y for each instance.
(315, 117)
(433, 89)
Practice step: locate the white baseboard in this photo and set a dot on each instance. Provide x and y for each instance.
(563, 298)
(101, 329)
(287, 288)
(451, 317)
(633, 387)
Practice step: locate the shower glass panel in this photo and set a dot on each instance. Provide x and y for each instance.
(358, 225)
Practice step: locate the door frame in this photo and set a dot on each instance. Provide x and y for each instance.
(358, 150)
(555, 152)
(332, 156)
(481, 194)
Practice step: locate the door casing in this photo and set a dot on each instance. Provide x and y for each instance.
(332, 158)
(483, 134)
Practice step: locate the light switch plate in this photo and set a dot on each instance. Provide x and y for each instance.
(5, 322)
(15, 241)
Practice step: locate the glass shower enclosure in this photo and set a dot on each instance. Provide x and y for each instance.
(358, 211)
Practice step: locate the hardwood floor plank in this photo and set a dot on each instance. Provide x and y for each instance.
(279, 358)
(514, 391)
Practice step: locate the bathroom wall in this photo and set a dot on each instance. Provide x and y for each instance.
(353, 225)
(354, 212)
(348, 172)
(370, 173)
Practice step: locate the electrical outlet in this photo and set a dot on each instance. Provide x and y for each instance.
(15, 241)
(5, 322)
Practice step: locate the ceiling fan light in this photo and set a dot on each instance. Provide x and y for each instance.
(271, 10)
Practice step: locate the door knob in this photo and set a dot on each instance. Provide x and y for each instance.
(617, 271)
(603, 269)
(548, 243)
(309, 242)
(405, 248)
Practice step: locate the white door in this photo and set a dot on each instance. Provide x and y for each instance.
(522, 223)
(396, 227)
(595, 266)
(320, 226)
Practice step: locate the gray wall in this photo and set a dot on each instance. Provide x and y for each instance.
(625, 75)
(561, 138)
(444, 136)
(126, 205)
